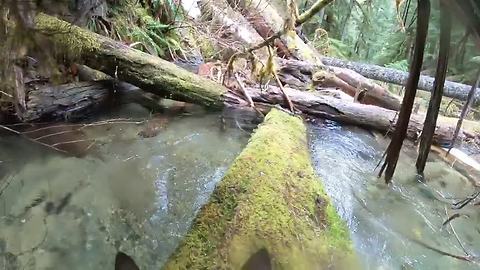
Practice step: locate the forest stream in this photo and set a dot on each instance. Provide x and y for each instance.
(141, 194)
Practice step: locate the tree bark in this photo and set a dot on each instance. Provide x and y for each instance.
(389, 75)
(64, 102)
(269, 211)
(75, 101)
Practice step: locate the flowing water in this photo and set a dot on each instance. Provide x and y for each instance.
(386, 223)
(135, 194)
(139, 195)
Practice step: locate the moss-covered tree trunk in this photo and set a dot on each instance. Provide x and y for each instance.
(148, 72)
(270, 210)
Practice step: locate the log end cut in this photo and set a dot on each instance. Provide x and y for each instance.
(270, 211)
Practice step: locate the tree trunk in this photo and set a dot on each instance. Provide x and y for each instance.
(269, 211)
(150, 73)
(451, 89)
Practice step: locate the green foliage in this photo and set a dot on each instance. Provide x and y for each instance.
(399, 65)
(338, 49)
(374, 31)
(148, 28)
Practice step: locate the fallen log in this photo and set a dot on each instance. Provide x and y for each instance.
(64, 102)
(389, 75)
(76, 101)
(300, 74)
(150, 73)
(368, 116)
(269, 211)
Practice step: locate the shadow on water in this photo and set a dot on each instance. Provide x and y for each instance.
(383, 220)
(137, 194)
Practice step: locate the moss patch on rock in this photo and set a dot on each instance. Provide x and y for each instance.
(270, 201)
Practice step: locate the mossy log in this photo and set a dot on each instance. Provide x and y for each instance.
(270, 210)
(118, 60)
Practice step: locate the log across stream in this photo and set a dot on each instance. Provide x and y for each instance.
(142, 196)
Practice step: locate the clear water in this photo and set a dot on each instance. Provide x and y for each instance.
(133, 194)
(139, 195)
(384, 220)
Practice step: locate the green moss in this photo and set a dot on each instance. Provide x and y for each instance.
(72, 39)
(269, 199)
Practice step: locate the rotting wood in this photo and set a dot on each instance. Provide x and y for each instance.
(75, 101)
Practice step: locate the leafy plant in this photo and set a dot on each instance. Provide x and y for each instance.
(148, 28)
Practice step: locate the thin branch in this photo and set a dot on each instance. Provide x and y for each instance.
(451, 218)
(244, 91)
(32, 140)
(464, 202)
(285, 96)
(441, 252)
(456, 235)
(314, 9)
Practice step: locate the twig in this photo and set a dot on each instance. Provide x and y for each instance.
(70, 142)
(280, 85)
(6, 94)
(464, 202)
(244, 91)
(32, 140)
(302, 18)
(452, 217)
(456, 235)
(441, 252)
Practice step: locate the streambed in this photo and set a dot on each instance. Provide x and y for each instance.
(140, 195)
